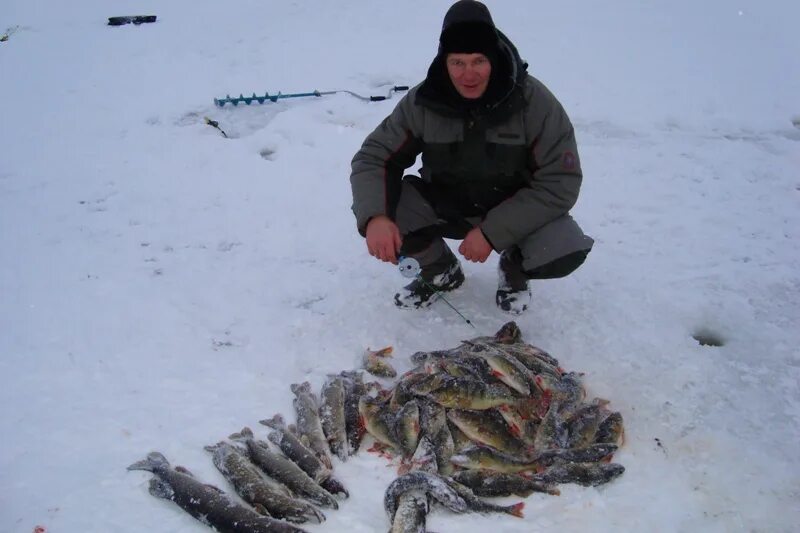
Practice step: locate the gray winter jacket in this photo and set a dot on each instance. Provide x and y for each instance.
(512, 161)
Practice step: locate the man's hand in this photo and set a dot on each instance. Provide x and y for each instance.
(383, 239)
(475, 247)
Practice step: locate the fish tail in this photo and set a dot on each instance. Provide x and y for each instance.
(244, 434)
(516, 509)
(276, 422)
(383, 352)
(153, 461)
(316, 514)
(300, 387)
(161, 489)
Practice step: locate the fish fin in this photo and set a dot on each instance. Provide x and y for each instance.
(152, 461)
(326, 460)
(318, 515)
(276, 422)
(260, 509)
(214, 488)
(161, 489)
(384, 394)
(525, 407)
(183, 470)
(214, 447)
(516, 510)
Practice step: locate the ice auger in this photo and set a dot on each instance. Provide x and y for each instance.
(220, 102)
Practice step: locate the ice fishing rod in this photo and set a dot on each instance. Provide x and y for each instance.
(409, 268)
(220, 102)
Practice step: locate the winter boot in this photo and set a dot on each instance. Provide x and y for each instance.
(513, 295)
(442, 275)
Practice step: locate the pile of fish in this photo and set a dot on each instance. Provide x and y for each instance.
(493, 416)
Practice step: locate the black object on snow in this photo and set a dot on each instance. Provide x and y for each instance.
(138, 19)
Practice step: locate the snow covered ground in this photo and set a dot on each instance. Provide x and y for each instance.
(161, 286)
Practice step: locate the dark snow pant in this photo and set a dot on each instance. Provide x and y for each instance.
(553, 251)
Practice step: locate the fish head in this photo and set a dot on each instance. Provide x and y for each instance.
(509, 333)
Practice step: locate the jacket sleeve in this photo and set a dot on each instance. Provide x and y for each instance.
(377, 168)
(555, 173)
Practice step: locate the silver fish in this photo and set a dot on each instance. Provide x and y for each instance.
(435, 428)
(553, 431)
(402, 392)
(284, 470)
(589, 454)
(295, 450)
(206, 503)
(508, 370)
(379, 421)
(487, 427)
(332, 416)
(482, 457)
(587, 474)
(424, 458)
(309, 425)
(430, 484)
(452, 495)
(491, 484)
(611, 430)
(354, 389)
(257, 490)
(585, 422)
(480, 506)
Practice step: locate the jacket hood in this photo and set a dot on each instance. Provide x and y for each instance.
(508, 69)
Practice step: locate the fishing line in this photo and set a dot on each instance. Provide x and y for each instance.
(409, 268)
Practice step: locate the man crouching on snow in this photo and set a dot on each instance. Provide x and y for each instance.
(500, 170)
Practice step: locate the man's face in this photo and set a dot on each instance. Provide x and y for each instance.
(469, 73)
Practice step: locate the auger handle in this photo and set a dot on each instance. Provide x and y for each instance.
(396, 88)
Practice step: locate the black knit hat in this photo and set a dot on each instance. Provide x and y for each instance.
(469, 38)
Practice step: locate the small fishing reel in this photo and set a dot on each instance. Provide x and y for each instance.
(409, 267)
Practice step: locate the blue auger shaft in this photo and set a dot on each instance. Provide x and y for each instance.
(220, 102)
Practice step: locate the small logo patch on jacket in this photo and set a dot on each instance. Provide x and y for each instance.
(568, 160)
